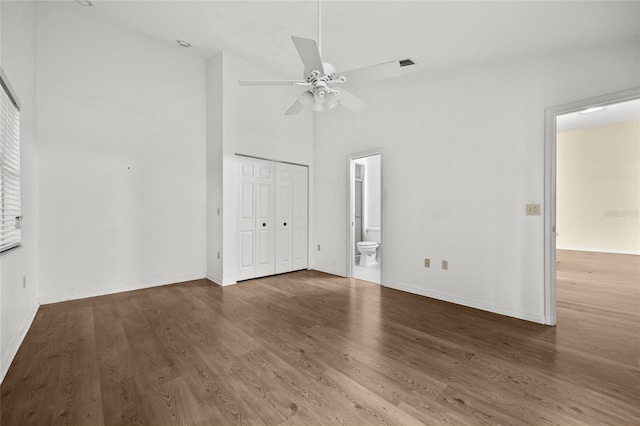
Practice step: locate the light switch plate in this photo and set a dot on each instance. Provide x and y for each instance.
(427, 263)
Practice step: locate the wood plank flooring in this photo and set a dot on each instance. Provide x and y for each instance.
(311, 348)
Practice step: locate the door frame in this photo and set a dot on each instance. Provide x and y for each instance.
(351, 209)
(550, 186)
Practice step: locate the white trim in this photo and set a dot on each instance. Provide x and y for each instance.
(327, 270)
(16, 342)
(550, 187)
(597, 250)
(465, 302)
(219, 281)
(214, 279)
(271, 159)
(107, 291)
(351, 208)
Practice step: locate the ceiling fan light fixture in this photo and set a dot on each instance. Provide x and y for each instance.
(333, 101)
(307, 99)
(320, 96)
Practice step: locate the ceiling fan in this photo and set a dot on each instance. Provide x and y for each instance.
(321, 79)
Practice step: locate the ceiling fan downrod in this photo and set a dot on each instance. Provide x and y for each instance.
(319, 30)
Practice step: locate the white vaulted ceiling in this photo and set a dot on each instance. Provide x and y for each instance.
(437, 35)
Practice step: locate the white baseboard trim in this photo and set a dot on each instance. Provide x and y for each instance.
(17, 340)
(103, 292)
(635, 253)
(327, 270)
(219, 281)
(214, 279)
(464, 302)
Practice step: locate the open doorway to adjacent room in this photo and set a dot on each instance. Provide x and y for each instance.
(365, 216)
(592, 212)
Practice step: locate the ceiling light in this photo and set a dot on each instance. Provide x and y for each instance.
(183, 43)
(590, 110)
(85, 3)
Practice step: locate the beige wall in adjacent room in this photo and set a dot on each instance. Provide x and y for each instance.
(598, 188)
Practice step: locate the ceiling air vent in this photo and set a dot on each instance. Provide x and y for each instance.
(406, 62)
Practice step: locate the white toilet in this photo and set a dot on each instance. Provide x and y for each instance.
(368, 249)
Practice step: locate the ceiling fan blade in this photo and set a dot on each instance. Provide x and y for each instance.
(270, 82)
(295, 108)
(351, 101)
(308, 50)
(372, 72)
(305, 100)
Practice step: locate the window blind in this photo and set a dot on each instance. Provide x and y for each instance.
(10, 208)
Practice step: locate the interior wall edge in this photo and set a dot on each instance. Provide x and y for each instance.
(215, 279)
(19, 280)
(16, 342)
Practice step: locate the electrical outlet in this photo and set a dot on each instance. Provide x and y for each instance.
(427, 263)
(318, 247)
(533, 209)
(445, 265)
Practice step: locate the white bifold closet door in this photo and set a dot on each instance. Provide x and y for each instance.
(284, 222)
(291, 217)
(256, 210)
(273, 218)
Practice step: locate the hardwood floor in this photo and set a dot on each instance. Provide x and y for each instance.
(311, 348)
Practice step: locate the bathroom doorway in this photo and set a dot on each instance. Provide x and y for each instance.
(365, 216)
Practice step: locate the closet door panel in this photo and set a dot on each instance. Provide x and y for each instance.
(246, 220)
(264, 225)
(284, 182)
(246, 249)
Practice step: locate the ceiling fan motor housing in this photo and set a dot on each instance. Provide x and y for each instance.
(312, 74)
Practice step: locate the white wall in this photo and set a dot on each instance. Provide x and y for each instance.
(463, 152)
(18, 59)
(253, 123)
(122, 180)
(598, 188)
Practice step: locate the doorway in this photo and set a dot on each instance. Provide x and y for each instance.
(365, 216)
(556, 120)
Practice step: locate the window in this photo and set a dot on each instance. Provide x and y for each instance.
(10, 216)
